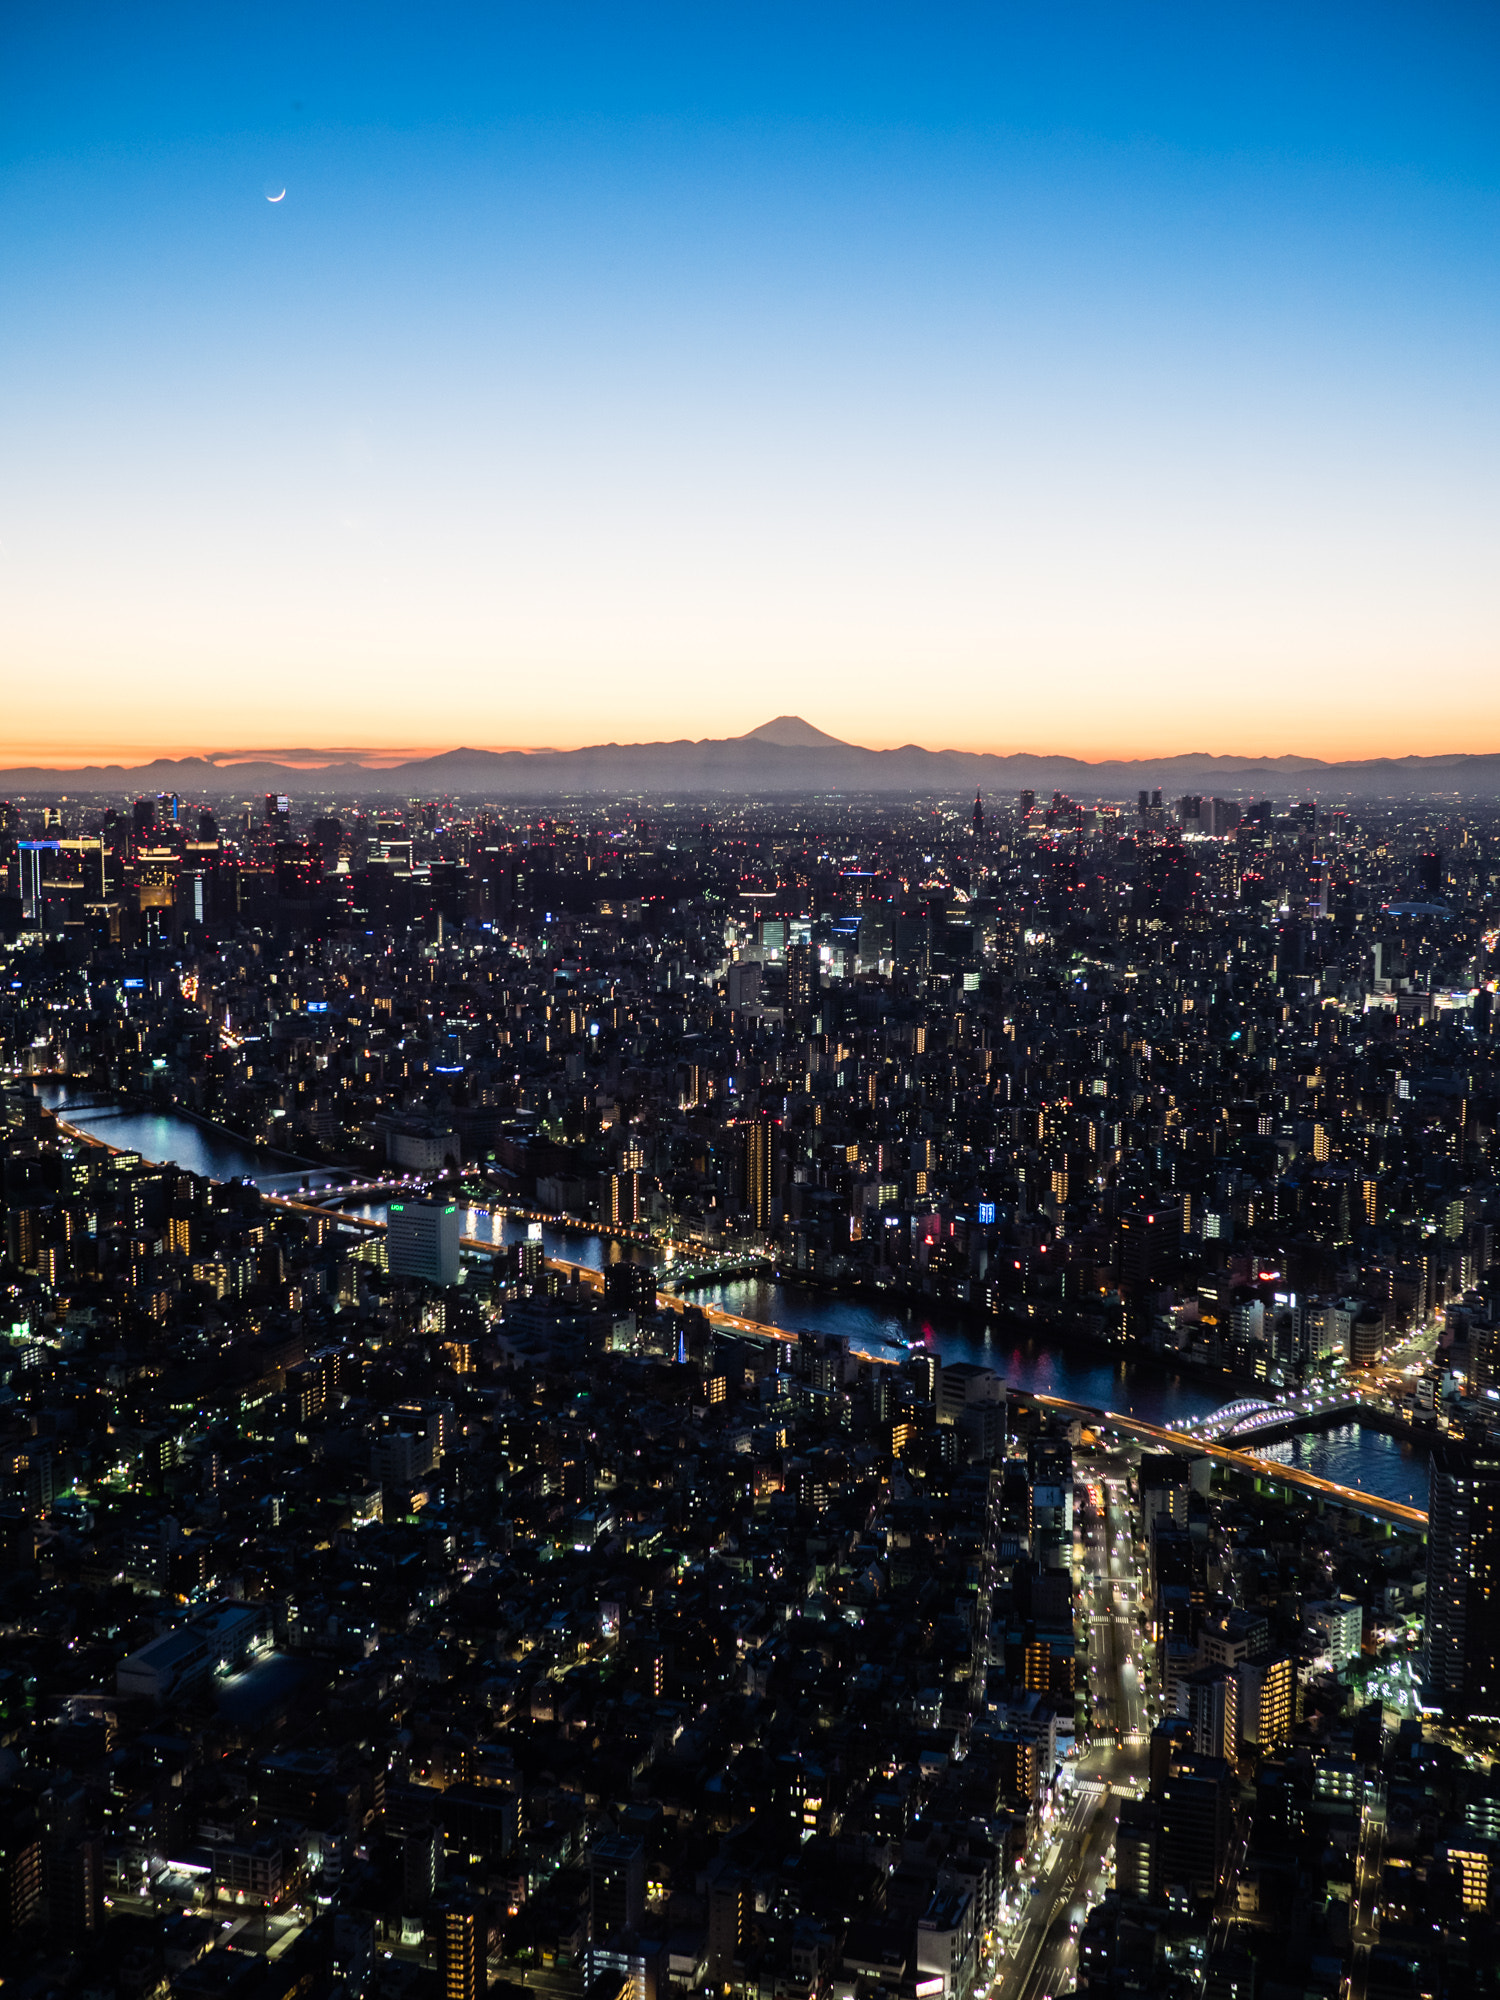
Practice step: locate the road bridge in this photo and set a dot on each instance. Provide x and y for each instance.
(1190, 1444)
(1249, 1416)
(588, 1277)
(1166, 1439)
(1158, 1435)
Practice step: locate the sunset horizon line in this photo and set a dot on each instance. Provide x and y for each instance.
(64, 758)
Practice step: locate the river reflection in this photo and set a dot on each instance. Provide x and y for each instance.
(163, 1136)
(1352, 1454)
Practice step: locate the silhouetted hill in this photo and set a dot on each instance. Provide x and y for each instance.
(785, 755)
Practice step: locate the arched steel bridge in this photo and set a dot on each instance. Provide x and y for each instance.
(1180, 1439)
(1249, 1414)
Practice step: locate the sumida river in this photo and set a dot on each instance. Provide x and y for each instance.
(1352, 1454)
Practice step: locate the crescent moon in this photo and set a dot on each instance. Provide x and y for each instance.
(277, 197)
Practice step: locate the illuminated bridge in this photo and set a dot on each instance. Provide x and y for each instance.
(1252, 1414)
(1271, 1470)
(1186, 1440)
(1232, 1417)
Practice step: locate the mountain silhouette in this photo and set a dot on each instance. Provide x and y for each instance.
(790, 732)
(786, 755)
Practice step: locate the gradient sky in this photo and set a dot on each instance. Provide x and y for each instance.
(1108, 379)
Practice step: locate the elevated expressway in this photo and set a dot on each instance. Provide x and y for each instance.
(1248, 1462)
(1156, 1435)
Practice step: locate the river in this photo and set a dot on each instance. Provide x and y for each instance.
(1352, 1454)
(167, 1135)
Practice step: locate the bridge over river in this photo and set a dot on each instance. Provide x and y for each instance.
(1252, 1416)
(1207, 1438)
(1193, 1444)
(1200, 1441)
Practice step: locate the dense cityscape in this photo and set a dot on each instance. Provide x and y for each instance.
(541, 1443)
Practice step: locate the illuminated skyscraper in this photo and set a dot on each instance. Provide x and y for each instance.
(623, 1206)
(1463, 1576)
(758, 1137)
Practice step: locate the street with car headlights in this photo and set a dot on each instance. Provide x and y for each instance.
(1040, 1957)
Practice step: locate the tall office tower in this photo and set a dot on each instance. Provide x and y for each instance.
(424, 1241)
(1165, 1483)
(1142, 1247)
(801, 981)
(1050, 1514)
(622, 1199)
(1143, 1239)
(625, 1188)
(29, 867)
(421, 1864)
(744, 983)
(531, 1261)
(978, 820)
(1135, 1849)
(1026, 804)
(758, 1140)
(1224, 816)
(926, 1372)
(1463, 1575)
(728, 1921)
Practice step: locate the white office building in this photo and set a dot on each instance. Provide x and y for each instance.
(423, 1241)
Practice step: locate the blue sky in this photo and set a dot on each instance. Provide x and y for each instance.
(1051, 377)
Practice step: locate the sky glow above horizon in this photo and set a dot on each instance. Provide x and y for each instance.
(1068, 378)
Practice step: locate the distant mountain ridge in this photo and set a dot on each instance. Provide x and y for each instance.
(786, 754)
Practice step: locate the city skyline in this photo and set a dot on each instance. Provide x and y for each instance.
(1108, 385)
(830, 1397)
